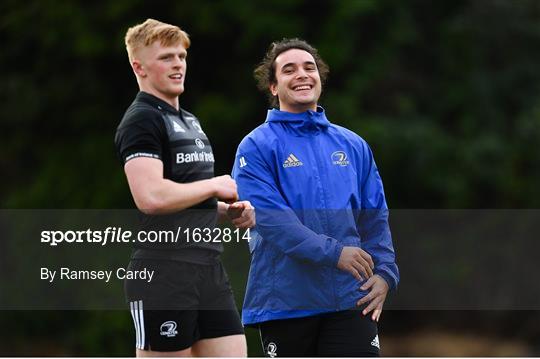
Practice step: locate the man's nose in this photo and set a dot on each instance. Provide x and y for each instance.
(301, 73)
(177, 61)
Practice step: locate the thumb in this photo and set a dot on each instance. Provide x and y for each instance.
(235, 210)
(236, 206)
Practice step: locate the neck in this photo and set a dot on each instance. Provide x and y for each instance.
(173, 101)
(298, 108)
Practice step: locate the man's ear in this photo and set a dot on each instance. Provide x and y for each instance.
(273, 89)
(138, 68)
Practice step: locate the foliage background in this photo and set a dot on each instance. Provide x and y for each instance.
(447, 93)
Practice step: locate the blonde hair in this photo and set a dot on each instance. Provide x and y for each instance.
(151, 30)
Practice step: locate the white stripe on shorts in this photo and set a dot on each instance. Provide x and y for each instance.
(141, 322)
(135, 316)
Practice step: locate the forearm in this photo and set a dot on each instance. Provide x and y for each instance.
(377, 241)
(284, 230)
(165, 196)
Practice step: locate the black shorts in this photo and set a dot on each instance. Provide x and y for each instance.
(183, 303)
(338, 334)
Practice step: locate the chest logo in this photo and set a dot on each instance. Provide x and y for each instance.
(177, 127)
(339, 158)
(199, 143)
(197, 126)
(292, 161)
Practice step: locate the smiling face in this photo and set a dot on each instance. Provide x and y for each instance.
(161, 70)
(298, 84)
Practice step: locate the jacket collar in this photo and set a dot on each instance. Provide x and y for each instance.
(308, 120)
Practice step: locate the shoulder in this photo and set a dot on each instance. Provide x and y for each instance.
(140, 114)
(262, 137)
(141, 123)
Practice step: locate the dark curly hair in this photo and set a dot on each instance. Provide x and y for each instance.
(265, 72)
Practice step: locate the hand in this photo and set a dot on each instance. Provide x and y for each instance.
(225, 188)
(376, 296)
(241, 214)
(357, 262)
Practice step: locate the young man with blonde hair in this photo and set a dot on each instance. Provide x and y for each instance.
(188, 308)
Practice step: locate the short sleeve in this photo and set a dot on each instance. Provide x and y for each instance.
(140, 134)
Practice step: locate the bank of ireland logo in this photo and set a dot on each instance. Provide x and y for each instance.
(271, 350)
(168, 329)
(339, 158)
(199, 143)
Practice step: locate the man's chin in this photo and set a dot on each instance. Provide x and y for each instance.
(305, 99)
(306, 102)
(177, 91)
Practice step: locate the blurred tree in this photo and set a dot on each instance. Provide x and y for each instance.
(447, 94)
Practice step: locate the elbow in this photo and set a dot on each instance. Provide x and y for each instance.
(150, 206)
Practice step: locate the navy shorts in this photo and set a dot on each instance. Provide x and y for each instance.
(338, 334)
(183, 303)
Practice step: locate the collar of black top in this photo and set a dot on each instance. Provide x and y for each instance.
(156, 102)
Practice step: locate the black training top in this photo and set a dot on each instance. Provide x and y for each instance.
(153, 128)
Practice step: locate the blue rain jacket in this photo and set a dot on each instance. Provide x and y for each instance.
(316, 189)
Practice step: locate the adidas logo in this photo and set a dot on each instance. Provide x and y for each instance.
(292, 161)
(375, 342)
(177, 127)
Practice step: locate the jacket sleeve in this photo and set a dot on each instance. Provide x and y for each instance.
(277, 223)
(373, 221)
